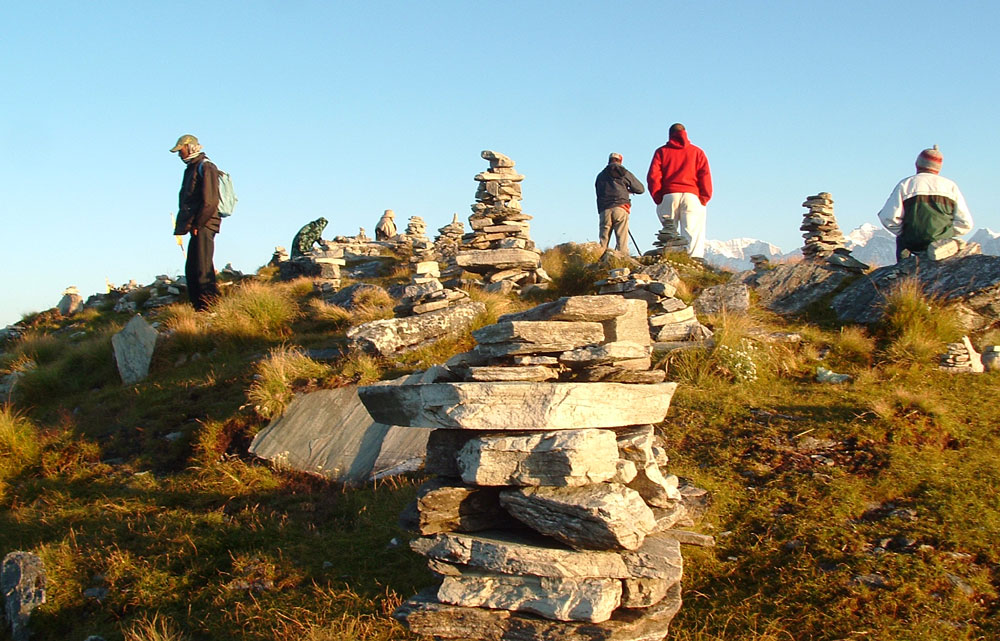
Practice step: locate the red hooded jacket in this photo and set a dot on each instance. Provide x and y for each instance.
(679, 167)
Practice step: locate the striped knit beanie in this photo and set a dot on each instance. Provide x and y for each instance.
(930, 160)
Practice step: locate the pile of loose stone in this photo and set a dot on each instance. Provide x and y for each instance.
(673, 324)
(822, 233)
(425, 293)
(668, 239)
(550, 516)
(962, 357)
(498, 247)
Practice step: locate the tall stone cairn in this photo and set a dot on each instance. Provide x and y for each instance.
(550, 516)
(416, 236)
(821, 232)
(498, 247)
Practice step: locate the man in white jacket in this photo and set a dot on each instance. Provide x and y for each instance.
(925, 207)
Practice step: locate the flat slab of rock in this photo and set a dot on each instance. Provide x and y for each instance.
(573, 334)
(481, 261)
(973, 281)
(573, 308)
(398, 335)
(423, 614)
(632, 326)
(518, 406)
(22, 585)
(561, 458)
(329, 433)
(133, 348)
(522, 373)
(587, 599)
(604, 516)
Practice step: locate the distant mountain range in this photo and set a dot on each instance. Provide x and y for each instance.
(868, 243)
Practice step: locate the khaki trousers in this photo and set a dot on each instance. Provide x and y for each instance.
(614, 219)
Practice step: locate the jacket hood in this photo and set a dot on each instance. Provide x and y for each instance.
(678, 139)
(616, 169)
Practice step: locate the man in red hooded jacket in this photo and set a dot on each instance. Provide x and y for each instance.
(680, 183)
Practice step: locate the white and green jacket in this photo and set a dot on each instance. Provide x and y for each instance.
(924, 208)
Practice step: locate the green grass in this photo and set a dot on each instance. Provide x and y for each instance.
(145, 496)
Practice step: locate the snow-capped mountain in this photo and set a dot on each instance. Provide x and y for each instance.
(868, 243)
(872, 244)
(988, 239)
(735, 254)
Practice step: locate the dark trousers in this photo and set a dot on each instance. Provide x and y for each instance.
(199, 270)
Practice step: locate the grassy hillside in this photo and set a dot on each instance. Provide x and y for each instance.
(862, 510)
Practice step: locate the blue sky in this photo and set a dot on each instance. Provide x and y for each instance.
(341, 110)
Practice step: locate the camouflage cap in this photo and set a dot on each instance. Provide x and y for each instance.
(186, 139)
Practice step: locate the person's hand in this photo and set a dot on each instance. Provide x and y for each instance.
(194, 231)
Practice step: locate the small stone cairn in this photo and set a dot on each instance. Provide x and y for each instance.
(822, 233)
(498, 247)
(449, 239)
(550, 516)
(668, 239)
(416, 237)
(673, 324)
(425, 293)
(962, 357)
(760, 262)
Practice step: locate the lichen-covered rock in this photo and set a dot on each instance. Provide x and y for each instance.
(790, 289)
(22, 585)
(397, 335)
(133, 349)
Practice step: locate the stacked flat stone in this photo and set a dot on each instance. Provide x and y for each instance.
(821, 232)
(416, 237)
(550, 516)
(449, 238)
(668, 239)
(962, 357)
(499, 247)
(425, 293)
(673, 323)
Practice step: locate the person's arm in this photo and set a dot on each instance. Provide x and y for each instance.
(962, 220)
(654, 177)
(891, 215)
(209, 193)
(704, 180)
(633, 184)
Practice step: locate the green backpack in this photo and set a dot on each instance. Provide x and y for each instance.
(227, 193)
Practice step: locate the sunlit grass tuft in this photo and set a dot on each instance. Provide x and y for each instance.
(272, 388)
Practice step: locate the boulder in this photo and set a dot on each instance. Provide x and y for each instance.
(790, 289)
(22, 584)
(398, 335)
(506, 405)
(973, 282)
(423, 614)
(133, 349)
(731, 298)
(602, 516)
(563, 458)
(329, 433)
(585, 599)
(71, 302)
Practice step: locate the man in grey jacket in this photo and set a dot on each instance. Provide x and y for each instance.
(614, 186)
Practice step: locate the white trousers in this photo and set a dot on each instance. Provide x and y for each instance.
(689, 214)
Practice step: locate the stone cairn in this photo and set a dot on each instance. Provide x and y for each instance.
(673, 324)
(760, 262)
(822, 233)
(425, 293)
(416, 237)
(498, 247)
(962, 357)
(668, 239)
(550, 517)
(449, 239)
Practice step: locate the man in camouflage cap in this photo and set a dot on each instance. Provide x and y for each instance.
(198, 215)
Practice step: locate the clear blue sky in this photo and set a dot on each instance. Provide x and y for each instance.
(341, 110)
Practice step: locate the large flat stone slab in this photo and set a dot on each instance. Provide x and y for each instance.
(481, 261)
(329, 433)
(423, 614)
(560, 458)
(586, 599)
(604, 516)
(399, 335)
(574, 334)
(506, 405)
(573, 308)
